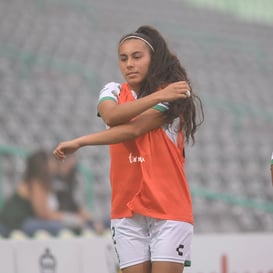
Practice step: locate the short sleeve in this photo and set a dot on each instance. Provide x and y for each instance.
(161, 107)
(109, 92)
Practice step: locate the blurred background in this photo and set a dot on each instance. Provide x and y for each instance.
(56, 55)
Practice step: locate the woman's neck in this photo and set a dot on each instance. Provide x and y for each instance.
(134, 88)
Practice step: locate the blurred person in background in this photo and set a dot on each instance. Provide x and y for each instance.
(33, 206)
(149, 118)
(65, 186)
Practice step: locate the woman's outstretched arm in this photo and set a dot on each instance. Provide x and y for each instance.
(146, 122)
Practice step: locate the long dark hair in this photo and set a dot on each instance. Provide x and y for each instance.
(164, 69)
(37, 169)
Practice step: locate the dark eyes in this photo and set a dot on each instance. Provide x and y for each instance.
(134, 56)
(123, 58)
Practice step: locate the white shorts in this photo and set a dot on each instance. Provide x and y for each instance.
(140, 238)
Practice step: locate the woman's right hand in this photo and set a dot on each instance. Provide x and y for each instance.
(65, 148)
(175, 91)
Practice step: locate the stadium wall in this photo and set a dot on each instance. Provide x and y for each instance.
(231, 253)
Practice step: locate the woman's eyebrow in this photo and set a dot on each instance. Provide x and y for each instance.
(135, 52)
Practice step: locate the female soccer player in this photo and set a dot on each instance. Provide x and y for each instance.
(148, 116)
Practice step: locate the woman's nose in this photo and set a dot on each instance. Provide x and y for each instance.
(130, 62)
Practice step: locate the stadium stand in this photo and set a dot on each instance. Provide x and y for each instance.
(55, 56)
